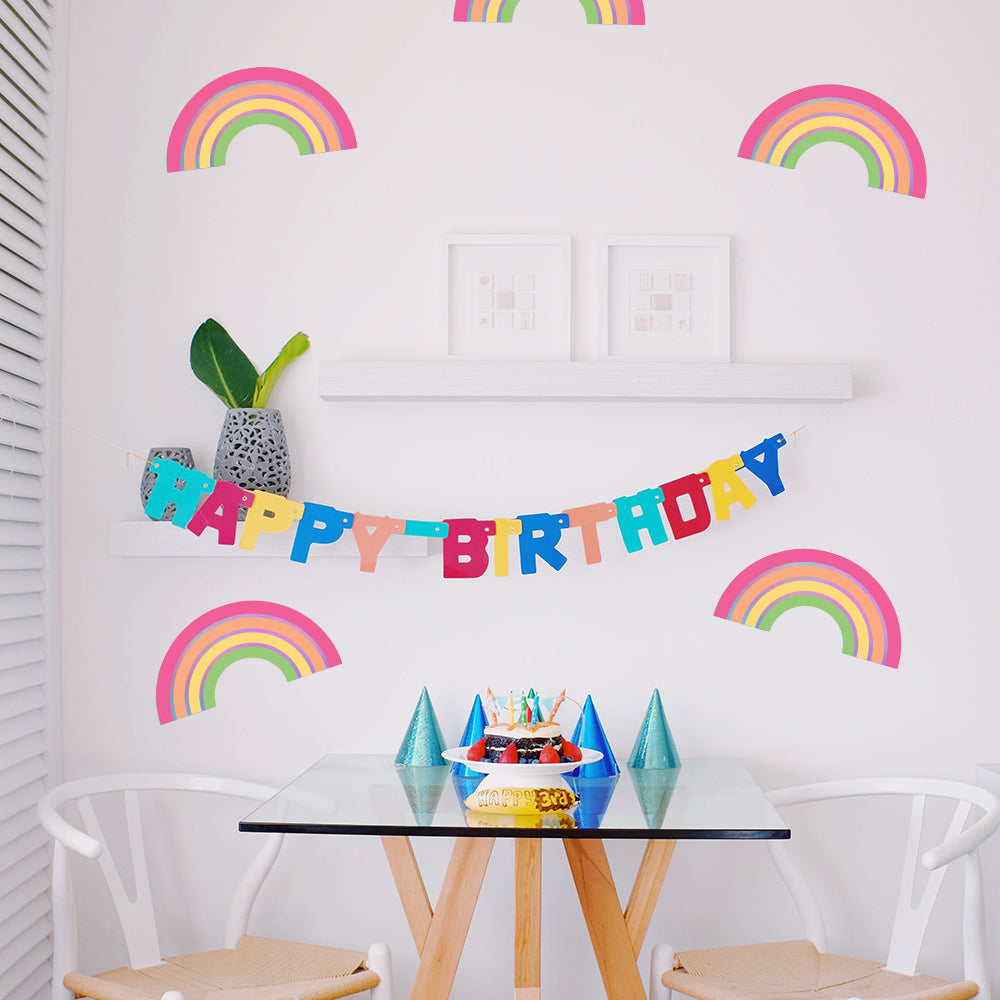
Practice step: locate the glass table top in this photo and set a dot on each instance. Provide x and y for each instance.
(369, 794)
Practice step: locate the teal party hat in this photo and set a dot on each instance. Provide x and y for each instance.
(654, 746)
(423, 743)
(653, 788)
(423, 787)
(473, 732)
(590, 734)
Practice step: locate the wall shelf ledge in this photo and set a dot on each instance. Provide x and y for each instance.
(456, 379)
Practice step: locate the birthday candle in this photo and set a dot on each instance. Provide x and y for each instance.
(511, 704)
(491, 705)
(524, 709)
(538, 710)
(555, 707)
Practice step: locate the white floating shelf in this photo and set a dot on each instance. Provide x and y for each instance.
(161, 538)
(581, 380)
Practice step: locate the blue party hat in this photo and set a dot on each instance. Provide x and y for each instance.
(654, 746)
(653, 788)
(594, 796)
(590, 734)
(473, 731)
(423, 743)
(423, 787)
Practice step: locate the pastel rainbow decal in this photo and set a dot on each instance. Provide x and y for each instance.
(796, 578)
(598, 11)
(880, 135)
(264, 95)
(247, 630)
(486, 11)
(614, 11)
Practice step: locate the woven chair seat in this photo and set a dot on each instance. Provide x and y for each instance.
(795, 970)
(256, 969)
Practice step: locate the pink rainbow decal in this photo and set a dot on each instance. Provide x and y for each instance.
(880, 135)
(614, 11)
(247, 630)
(485, 11)
(264, 95)
(812, 578)
(598, 11)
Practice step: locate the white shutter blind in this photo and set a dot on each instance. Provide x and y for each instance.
(25, 103)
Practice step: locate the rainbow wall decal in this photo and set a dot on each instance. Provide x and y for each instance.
(247, 630)
(614, 11)
(598, 11)
(264, 95)
(812, 578)
(784, 130)
(487, 11)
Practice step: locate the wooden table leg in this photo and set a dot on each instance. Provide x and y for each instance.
(449, 925)
(527, 919)
(646, 889)
(410, 886)
(605, 920)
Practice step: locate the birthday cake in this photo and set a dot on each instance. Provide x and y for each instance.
(523, 736)
(528, 740)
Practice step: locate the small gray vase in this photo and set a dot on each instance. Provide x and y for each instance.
(182, 456)
(253, 452)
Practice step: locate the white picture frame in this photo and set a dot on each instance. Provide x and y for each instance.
(666, 297)
(507, 297)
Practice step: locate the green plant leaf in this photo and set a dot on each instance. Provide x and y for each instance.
(218, 362)
(297, 345)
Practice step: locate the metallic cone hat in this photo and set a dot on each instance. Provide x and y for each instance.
(473, 732)
(423, 743)
(654, 746)
(590, 734)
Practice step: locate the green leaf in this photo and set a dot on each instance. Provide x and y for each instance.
(297, 345)
(222, 366)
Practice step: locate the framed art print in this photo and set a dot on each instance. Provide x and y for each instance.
(508, 297)
(667, 297)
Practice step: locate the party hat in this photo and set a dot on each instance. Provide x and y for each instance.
(653, 788)
(654, 746)
(473, 731)
(423, 786)
(423, 743)
(594, 795)
(590, 734)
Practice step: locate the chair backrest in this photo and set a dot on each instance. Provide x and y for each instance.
(961, 840)
(134, 903)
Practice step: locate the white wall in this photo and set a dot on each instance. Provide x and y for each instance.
(545, 125)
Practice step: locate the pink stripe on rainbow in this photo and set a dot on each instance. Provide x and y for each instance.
(777, 583)
(830, 112)
(190, 670)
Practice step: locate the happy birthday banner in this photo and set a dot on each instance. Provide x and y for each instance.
(686, 503)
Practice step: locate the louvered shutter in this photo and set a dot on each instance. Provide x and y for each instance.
(25, 105)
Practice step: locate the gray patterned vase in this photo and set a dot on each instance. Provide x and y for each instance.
(253, 452)
(182, 456)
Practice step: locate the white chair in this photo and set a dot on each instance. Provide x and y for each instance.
(804, 968)
(258, 968)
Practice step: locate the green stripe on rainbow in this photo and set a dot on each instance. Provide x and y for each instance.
(263, 95)
(785, 129)
(245, 630)
(795, 578)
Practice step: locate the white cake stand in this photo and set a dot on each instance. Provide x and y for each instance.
(521, 775)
